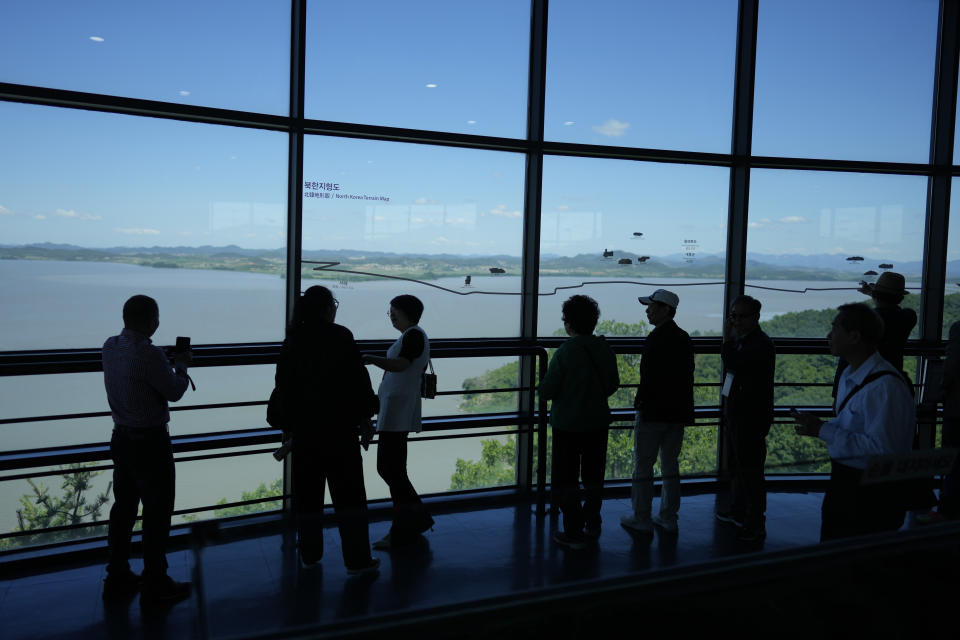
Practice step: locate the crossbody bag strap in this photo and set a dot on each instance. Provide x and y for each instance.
(870, 378)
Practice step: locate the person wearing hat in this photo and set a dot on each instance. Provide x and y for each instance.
(664, 404)
(887, 293)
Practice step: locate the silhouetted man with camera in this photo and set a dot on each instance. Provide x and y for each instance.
(140, 380)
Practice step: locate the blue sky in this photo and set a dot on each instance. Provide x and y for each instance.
(855, 85)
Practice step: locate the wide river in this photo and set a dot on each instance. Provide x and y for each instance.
(49, 304)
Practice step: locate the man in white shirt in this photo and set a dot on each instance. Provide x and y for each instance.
(875, 416)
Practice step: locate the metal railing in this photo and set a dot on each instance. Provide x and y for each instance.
(532, 425)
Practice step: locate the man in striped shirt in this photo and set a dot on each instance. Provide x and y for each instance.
(140, 381)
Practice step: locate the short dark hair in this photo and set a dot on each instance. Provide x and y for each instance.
(860, 317)
(751, 303)
(410, 306)
(312, 307)
(582, 313)
(139, 309)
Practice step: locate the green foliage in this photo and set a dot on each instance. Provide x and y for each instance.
(275, 488)
(500, 378)
(42, 509)
(810, 323)
(789, 453)
(495, 468)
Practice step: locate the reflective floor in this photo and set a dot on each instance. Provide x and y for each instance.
(255, 586)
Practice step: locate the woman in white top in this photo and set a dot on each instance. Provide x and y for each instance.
(399, 414)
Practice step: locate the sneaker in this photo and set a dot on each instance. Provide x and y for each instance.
(117, 586)
(568, 542)
(592, 533)
(383, 544)
(729, 518)
(637, 525)
(752, 535)
(370, 568)
(669, 525)
(164, 590)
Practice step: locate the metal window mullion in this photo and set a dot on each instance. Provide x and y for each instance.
(941, 157)
(298, 31)
(533, 185)
(741, 147)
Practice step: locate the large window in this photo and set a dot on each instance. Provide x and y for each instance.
(216, 53)
(616, 230)
(844, 79)
(641, 74)
(428, 64)
(439, 223)
(814, 238)
(98, 207)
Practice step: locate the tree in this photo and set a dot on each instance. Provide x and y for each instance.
(274, 489)
(497, 463)
(787, 452)
(41, 509)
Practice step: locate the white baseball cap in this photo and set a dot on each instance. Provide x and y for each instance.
(668, 298)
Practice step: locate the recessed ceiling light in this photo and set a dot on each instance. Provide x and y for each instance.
(471, 122)
(184, 93)
(96, 38)
(568, 123)
(431, 86)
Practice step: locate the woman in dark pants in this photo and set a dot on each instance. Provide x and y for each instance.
(399, 414)
(327, 392)
(581, 376)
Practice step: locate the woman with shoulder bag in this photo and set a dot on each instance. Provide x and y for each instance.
(400, 407)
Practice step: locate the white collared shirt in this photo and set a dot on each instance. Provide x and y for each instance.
(880, 419)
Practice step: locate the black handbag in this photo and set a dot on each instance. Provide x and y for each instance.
(428, 383)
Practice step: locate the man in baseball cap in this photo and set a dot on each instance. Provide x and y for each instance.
(664, 404)
(663, 296)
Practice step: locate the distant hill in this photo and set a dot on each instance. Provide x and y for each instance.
(709, 266)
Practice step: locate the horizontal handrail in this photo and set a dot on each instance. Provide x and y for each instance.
(46, 361)
(212, 445)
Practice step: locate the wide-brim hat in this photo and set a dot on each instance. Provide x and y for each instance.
(668, 298)
(890, 283)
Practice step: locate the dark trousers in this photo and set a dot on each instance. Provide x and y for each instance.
(747, 447)
(410, 517)
(331, 459)
(143, 471)
(852, 509)
(576, 455)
